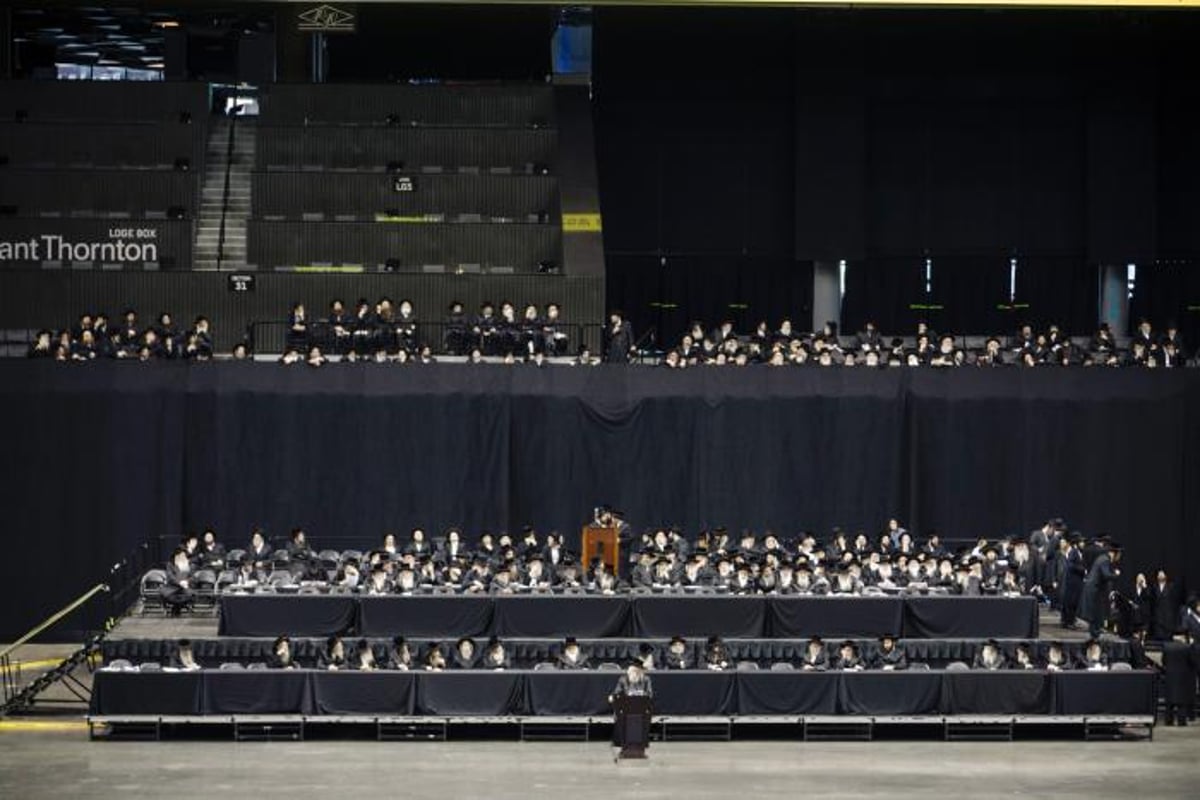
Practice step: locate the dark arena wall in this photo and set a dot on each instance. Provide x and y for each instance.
(736, 149)
(101, 457)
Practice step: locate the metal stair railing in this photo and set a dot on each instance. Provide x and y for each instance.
(16, 697)
(125, 575)
(229, 149)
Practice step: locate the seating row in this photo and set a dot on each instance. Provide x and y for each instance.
(508, 196)
(101, 145)
(528, 653)
(405, 105)
(335, 147)
(522, 247)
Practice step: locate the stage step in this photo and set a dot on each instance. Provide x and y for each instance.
(133, 731)
(534, 731)
(597, 729)
(431, 731)
(1106, 730)
(683, 729)
(837, 731)
(273, 731)
(981, 731)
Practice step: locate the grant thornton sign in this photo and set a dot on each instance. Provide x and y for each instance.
(123, 246)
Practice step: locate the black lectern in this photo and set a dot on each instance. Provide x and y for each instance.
(631, 725)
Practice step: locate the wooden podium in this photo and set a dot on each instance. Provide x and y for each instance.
(602, 543)
(631, 725)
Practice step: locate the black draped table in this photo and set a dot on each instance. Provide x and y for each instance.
(559, 693)
(295, 615)
(935, 617)
(651, 616)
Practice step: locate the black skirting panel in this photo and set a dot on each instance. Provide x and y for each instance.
(639, 615)
(586, 693)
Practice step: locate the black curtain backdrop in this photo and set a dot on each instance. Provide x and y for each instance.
(663, 295)
(881, 137)
(695, 139)
(98, 458)
(92, 467)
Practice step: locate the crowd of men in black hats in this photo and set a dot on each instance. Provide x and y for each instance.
(1059, 566)
(784, 345)
(95, 337)
(386, 332)
(1051, 563)
(713, 654)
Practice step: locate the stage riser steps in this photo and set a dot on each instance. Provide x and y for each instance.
(411, 732)
(558, 732)
(837, 732)
(979, 732)
(268, 732)
(599, 729)
(678, 731)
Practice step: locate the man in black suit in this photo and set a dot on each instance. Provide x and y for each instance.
(183, 658)
(1141, 606)
(572, 656)
(990, 657)
(302, 560)
(634, 682)
(483, 330)
(1181, 666)
(281, 655)
(869, 339)
(847, 657)
(619, 336)
(888, 656)
(1097, 587)
(677, 655)
(1070, 582)
(1164, 604)
(454, 330)
(338, 327)
(1145, 336)
(814, 658)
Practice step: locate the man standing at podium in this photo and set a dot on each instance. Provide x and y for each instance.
(631, 728)
(634, 683)
(607, 517)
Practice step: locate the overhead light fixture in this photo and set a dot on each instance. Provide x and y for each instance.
(167, 23)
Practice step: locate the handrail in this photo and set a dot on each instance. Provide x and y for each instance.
(225, 191)
(54, 618)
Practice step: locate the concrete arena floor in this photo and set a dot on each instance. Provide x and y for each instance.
(63, 763)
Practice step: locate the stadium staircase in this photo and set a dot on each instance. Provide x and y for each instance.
(225, 198)
(19, 697)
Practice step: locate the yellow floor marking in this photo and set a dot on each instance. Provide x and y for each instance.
(29, 725)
